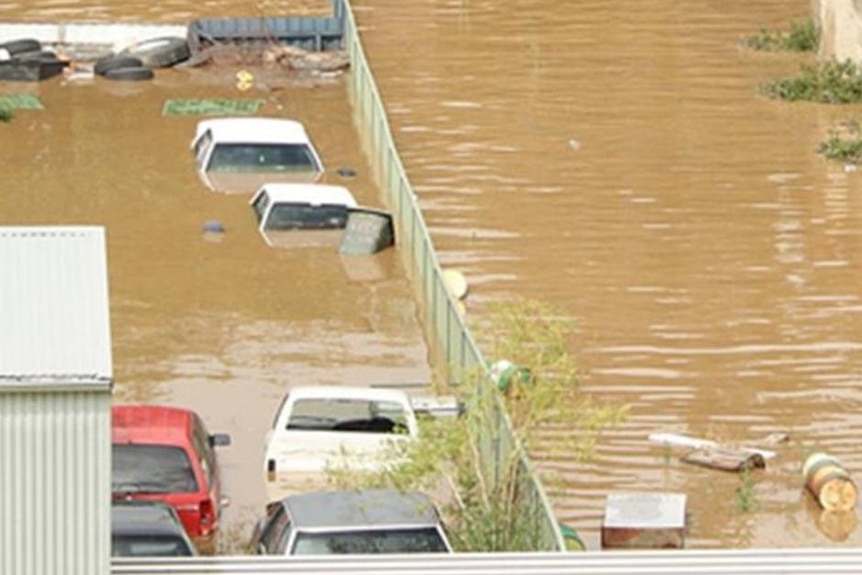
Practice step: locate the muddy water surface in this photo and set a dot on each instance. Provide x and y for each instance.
(614, 159)
(222, 324)
(610, 158)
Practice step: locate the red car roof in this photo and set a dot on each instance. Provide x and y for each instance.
(150, 424)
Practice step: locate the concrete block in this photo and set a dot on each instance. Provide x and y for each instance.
(644, 521)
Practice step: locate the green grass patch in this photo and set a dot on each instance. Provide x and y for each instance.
(825, 82)
(23, 101)
(211, 107)
(803, 36)
(844, 144)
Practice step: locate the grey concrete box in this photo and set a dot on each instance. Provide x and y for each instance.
(644, 521)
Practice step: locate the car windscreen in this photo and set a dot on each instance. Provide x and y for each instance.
(262, 158)
(358, 415)
(139, 468)
(149, 546)
(285, 216)
(419, 540)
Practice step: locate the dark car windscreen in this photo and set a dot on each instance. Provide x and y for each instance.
(138, 468)
(284, 216)
(149, 546)
(419, 540)
(262, 158)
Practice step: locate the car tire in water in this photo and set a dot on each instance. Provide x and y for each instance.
(103, 65)
(160, 52)
(21, 46)
(130, 73)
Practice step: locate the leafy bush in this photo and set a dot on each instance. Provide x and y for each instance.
(803, 37)
(827, 82)
(843, 144)
(5, 115)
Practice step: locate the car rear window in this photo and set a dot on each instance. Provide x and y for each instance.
(262, 158)
(149, 546)
(306, 217)
(356, 415)
(420, 540)
(138, 468)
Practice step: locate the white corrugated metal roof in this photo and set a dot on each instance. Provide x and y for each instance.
(54, 307)
(634, 562)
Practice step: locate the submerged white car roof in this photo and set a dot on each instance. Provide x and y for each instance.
(254, 130)
(347, 392)
(314, 194)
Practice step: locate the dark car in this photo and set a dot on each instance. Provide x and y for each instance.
(166, 454)
(351, 522)
(148, 529)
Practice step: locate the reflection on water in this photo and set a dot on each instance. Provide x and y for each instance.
(615, 160)
(218, 322)
(610, 158)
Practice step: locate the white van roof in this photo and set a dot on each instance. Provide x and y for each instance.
(254, 130)
(314, 194)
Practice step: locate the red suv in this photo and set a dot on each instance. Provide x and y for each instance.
(166, 454)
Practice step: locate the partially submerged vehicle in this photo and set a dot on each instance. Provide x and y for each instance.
(166, 454)
(291, 215)
(351, 522)
(284, 211)
(242, 154)
(321, 428)
(148, 529)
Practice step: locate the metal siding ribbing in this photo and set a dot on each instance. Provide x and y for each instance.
(54, 316)
(55, 468)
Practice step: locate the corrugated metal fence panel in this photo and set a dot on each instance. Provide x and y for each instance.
(54, 309)
(684, 562)
(55, 483)
(445, 328)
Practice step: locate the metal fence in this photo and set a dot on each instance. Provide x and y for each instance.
(453, 347)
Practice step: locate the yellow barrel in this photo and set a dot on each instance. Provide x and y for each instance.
(829, 482)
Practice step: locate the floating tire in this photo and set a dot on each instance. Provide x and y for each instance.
(22, 46)
(160, 52)
(103, 65)
(130, 74)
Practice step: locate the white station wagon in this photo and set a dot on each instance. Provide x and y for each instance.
(241, 154)
(283, 211)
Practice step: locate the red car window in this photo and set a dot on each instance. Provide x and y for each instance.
(140, 468)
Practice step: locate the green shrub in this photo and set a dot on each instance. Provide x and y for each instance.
(483, 496)
(803, 37)
(843, 144)
(826, 82)
(5, 115)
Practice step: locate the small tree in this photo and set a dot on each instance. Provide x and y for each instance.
(475, 465)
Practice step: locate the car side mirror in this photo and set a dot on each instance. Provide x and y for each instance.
(219, 439)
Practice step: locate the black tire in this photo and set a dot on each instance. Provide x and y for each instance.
(130, 74)
(160, 52)
(103, 65)
(41, 55)
(21, 46)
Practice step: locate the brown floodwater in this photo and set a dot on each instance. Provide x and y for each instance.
(615, 160)
(612, 159)
(222, 324)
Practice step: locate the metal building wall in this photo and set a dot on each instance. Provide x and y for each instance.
(55, 482)
(55, 401)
